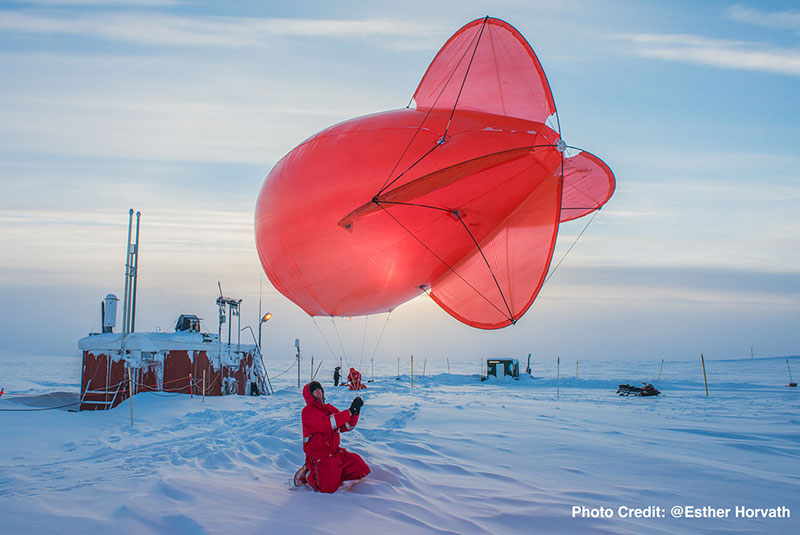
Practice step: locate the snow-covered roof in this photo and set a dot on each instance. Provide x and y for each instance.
(154, 342)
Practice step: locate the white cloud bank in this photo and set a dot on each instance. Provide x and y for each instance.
(725, 53)
(109, 3)
(158, 29)
(722, 53)
(781, 20)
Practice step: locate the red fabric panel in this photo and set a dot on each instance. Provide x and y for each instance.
(519, 253)
(588, 185)
(505, 77)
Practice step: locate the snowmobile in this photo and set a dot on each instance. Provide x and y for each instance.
(646, 390)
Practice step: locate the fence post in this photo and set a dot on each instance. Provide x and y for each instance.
(704, 372)
(130, 391)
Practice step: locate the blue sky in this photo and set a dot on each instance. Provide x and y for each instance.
(179, 109)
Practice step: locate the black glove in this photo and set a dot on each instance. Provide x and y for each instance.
(355, 406)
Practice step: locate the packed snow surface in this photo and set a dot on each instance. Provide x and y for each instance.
(452, 454)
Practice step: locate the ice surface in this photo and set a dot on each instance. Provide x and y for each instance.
(453, 455)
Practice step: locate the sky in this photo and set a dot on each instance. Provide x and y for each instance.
(180, 109)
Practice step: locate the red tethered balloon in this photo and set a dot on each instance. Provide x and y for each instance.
(461, 197)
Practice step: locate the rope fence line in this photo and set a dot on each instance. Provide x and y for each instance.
(141, 389)
(285, 371)
(42, 408)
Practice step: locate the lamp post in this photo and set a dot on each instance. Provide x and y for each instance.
(265, 318)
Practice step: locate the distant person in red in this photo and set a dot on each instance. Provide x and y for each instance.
(354, 378)
(327, 465)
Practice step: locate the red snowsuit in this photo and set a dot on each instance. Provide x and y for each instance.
(354, 378)
(328, 464)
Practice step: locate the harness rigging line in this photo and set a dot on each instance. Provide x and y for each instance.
(363, 340)
(410, 167)
(385, 323)
(464, 81)
(499, 289)
(341, 346)
(165, 296)
(571, 246)
(386, 183)
(440, 259)
(323, 337)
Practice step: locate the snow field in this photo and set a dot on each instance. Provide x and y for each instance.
(453, 455)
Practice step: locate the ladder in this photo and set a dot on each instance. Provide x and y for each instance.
(264, 384)
(107, 405)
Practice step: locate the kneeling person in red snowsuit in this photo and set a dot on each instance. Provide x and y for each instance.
(354, 378)
(327, 465)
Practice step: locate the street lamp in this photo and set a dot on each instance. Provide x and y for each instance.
(265, 318)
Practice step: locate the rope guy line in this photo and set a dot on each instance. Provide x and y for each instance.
(510, 314)
(440, 259)
(386, 182)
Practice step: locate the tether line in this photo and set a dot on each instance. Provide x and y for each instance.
(385, 323)
(510, 314)
(386, 182)
(571, 246)
(409, 168)
(464, 81)
(363, 341)
(340, 341)
(440, 259)
(323, 337)
(418, 205)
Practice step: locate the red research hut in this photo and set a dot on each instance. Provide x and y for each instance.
(164, 362)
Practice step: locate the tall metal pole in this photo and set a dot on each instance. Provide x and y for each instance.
(260, 317)
(221, 305)
(135, 273)
(230, 319)
(558, 374)
(297, 345)
(127, 273)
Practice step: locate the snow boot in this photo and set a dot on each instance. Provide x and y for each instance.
(300, 476)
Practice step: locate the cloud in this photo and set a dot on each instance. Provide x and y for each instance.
(157, 29)
(107, 3)
(679, 283)
(782, 20)
(722, 53)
